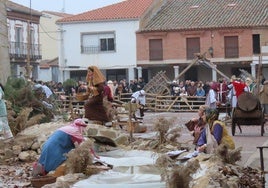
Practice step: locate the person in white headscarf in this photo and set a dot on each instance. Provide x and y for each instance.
(139, 98)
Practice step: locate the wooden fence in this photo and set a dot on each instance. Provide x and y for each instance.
(154, 103)
(167, 103)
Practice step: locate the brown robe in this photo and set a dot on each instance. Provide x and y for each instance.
(94, 108)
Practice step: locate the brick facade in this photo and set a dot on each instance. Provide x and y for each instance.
(174, 43)
(175, 50)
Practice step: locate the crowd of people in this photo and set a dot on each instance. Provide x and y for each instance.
(97, 88)
(116, 87)
(222, 92)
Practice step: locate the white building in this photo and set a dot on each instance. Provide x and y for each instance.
(50, 40)
(104, 37)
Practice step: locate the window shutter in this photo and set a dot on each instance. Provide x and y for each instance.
(193, 46)
(231, 46)
(155, 49)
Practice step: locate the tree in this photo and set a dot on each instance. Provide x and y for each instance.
(4, 46)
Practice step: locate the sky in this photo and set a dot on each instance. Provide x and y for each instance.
(70, 6)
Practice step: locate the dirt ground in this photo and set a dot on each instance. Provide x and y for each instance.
(18, 174)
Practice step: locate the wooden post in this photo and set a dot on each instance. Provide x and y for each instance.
(259, 76)
(176, 99)
(71, 109)
(130, 124)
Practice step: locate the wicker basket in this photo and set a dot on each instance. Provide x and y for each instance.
(39, 182)
(81, 96)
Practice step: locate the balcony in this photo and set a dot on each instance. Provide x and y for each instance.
(19, 51)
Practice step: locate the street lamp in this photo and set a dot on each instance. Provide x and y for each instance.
(28, 63)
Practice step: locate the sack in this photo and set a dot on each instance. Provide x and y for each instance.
(212, 143)
(190, 125)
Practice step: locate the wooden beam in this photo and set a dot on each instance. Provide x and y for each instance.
(187, 68)
(173, 103)
(212, 66)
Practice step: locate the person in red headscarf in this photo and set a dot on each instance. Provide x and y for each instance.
(58, 144)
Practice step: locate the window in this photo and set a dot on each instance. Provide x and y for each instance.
(193, 46)
(32, 50)
(231, 47)
(116, 74)
(107, 44)
(256, 44)
(155, 49)
(97, 42)
(18, 41)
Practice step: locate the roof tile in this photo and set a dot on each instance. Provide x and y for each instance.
(129, 9)
(202, 14)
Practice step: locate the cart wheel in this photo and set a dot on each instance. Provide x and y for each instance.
(233, 128)
(233, 123)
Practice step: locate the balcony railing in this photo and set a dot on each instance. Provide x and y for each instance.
(19, 50)
(95, 49)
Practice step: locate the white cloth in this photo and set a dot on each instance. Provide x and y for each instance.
(232, 96)
(211, 99)
(191, 155)
(47, 91)
(212, 143)
(176, 152)
(139, 97)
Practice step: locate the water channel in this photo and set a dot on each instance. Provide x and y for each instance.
(131, 169)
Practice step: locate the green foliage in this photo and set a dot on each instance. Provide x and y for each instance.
(13, 88)
(21, 95)
(69, 83)
(45, 119)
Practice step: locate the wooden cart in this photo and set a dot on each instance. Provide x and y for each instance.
(248, 112)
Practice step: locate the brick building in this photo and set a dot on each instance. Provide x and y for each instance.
(231, 34)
